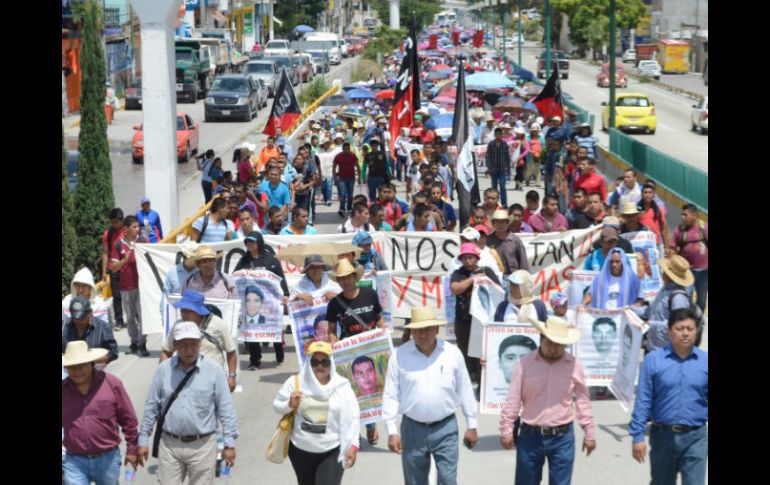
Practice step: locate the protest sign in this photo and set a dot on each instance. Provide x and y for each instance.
(598, 348)
(363, 360)
(646, 264)
(384, 290)
(504, 346)
(450, 305)
(485, 298)
(624, 381)
(579, 283)
(304, 327)
(261, 294)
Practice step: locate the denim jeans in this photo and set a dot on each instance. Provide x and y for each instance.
(206, 185)
(373, 182)
(345, 189)
(498, 178)
(400, 165)
(701, 287)
(450, 187)
(533, 448)
(326, 189)
(419, 442)
(81, 470)
(672, 453)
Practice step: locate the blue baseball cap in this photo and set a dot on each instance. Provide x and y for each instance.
(361, 238)
(194, 301)
(558, 299)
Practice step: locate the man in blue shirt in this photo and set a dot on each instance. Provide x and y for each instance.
(149, 221)
(277, 192)
(673, 391)
(450, 218)
(204, 165)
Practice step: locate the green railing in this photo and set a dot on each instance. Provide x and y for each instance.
(687, 182)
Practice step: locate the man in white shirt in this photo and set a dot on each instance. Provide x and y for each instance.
(427, 380)
(488, 132)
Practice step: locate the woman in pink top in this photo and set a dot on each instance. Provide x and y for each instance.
(245, 169)
(654, 216)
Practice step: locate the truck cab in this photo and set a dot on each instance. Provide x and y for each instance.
(195, 69)
(557, 58)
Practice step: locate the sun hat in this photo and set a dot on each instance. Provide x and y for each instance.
(629, 208)
(554, 118)
(424, 317)
(500, 214)
(79, 307)
(314, 260)
(611, 221)
(194, 301)
(678, 269)
(470, 234)
(469, 248)
(557, 330)
(205, 252)
(558, 299)
(346, 268)
(319, 346)
(516, 277)
(535, 127)
(77, 352)
(183, 330)
(505, 126)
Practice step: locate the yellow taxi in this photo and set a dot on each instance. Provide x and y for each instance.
(633, 112)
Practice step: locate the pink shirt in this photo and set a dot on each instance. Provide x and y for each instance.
(539, 224)
(541, 393)
(694, 249)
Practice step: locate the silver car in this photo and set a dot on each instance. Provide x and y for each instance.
(263, 93)
(651, 68)
(267, 71)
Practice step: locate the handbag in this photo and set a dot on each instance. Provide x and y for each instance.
(278, 447)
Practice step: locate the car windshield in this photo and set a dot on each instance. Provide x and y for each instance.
(648, 64)
(318, 55)
(179, 123)
(276, 44)
(184, 55)
(281, 61)
(634, 102)
(316, 45)
(259, 68)
(230, 84)
(295, 61)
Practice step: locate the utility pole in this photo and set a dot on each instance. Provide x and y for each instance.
(504, 8)
(519, 39)
(271, 23)
(612, 64)
(547, 39)
(202, 8)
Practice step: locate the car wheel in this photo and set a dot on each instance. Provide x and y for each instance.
(651, 132)
(194, 94)
(186, 155)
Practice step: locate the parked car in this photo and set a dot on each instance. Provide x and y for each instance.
(556, 56)
(187, 138)
(700, 116)
(321, 62)
(650, 68)
(72, 169)
(284, 62)
(629, 55)
(603, 77)
(232, 96)
(345, 47)
(303, 66)
(134, 95)
(633, 112)
(262, 93)
(267, 71)
(278, 47)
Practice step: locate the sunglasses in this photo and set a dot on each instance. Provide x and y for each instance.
(325, 363)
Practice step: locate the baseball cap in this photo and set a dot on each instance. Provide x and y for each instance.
(469, 248)
(319, 346)
(470, 234)
(482, 229)
(609, 233)
(183, 330)
(79, 307)
(558, 299)
(145, 200)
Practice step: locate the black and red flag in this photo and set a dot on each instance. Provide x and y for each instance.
(285, 107)
(406, 100)
(550, 102)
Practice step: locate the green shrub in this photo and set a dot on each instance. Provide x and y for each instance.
(645, 78)
(313, 91)
(362, 69)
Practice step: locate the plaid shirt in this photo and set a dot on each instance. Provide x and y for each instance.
(498, 157)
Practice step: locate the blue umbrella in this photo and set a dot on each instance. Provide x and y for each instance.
(360, 94)
(524, 74)
(487, 80)
(440, 121)
(304, 29)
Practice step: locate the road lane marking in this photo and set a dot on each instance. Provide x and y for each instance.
(666, 127)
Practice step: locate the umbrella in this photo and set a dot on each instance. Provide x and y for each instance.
(511, 105)
(435, 75)
(336, 100)
(441, 121)
(492, 97)
(439, 67)
(360, 94)
(385, 94)
(304, 29)
(328, 251)
(487, 80)
(532, 90)
(524, 74)
(448, 90)
(379, 86)
(444, 99)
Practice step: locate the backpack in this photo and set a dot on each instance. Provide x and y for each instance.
(203, 227)
(682, 241)
(699, 316)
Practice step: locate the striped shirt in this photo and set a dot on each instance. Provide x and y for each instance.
(214, 232)
(498, 157)
(98, 335)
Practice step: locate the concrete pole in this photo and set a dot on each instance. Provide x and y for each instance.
(202, 5)
(395, 20)
(270, 19)
(159, 106)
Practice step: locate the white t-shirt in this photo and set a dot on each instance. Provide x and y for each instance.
(612, 293)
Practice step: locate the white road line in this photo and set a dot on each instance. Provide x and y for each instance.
(666, 127)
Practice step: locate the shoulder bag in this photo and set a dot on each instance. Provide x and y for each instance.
(278, 447)
(162, 418)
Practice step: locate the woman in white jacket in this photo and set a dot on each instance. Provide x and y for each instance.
(326, 423)
(315, 283)
(83, 285)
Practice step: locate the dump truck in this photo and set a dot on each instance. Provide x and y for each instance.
(195, 69)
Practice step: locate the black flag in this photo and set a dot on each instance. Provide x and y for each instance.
(407, 91)
(285, 107)
(467, 180)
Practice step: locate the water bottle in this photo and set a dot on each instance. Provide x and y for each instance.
(224, 473)
(130, 475)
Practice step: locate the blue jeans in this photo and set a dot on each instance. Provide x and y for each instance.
(450, 187)
(498, 178)
(400, 165)
(81, 470)
(533, 448)
(373, 182)
(701, 287)
(326, 189)
(420, 441)
(345, 188)
(206, 185)
(671, 453)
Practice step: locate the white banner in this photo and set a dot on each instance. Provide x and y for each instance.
(599, 347)
(624, 382)
(303, 324)
(580, 282)
(485, 298)
(450, 303)
(504, 346)
(261, 294)
(385, 293)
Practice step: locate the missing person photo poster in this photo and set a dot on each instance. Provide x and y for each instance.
(384, 290)
(363, 360)
(599, 347)
(579, 284)
(486, 296)
(624, 381)
(308, 322)
(646, 261)
(504, 346)
(262, 307)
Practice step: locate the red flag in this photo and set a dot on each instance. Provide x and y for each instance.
(285, 107)
(478, 38)
(433, 42)
(550, 102)
(405, 97)
(456, 37)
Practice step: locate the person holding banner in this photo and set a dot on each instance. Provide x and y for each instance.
(325, 433)
(543, 387)
(315, 283)
(508, 245)
(426, 382)
(208, 279)
(617, 286)
(369, 258)
(179, 274)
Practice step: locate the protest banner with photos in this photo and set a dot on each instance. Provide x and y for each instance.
(646, 264)
(262, 307)
(580, 283)
(485, 297)
(504, 346)
(384, 290)
(303, 327)
(363, 360)
(623, 382)
(598, 348)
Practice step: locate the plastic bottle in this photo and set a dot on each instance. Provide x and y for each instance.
(130, 475)
(224, 473)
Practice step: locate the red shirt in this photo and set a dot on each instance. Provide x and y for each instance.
(243, 171)
(694, 248)
(647, 218)
(592, 183)
(129, 277)
(262, 215)
(117, 235)
(528, 214)
(392, 211)
(347, 163)
(91, 422)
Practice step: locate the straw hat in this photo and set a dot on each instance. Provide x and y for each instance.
(205, 252)
(424, 317)
(345, 268)
(629, 208)
(678, 269)
(500, 214)
(557, 330)
(77, 353)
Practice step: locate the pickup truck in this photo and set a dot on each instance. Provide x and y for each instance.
(193, 72)
(556, 56)
(278, 47)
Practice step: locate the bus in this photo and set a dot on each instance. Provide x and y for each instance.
(445, 18)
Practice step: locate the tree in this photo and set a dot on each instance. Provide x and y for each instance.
(424, 11)
(386, 41)
(94, 197)
(297, 12)
(68, 237)
(588, 18)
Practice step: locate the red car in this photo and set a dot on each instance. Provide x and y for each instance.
(187, 137)
(304, 67)
(356, 45)
(603, 78)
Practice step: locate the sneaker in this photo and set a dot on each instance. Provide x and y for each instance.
(328, 203)
(132, 349)
(340, 213)
(143, 352)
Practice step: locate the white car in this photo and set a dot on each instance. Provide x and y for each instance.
(629, 55)
(278, 47)
(651, 68)
(700, 116)
(345, 47)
